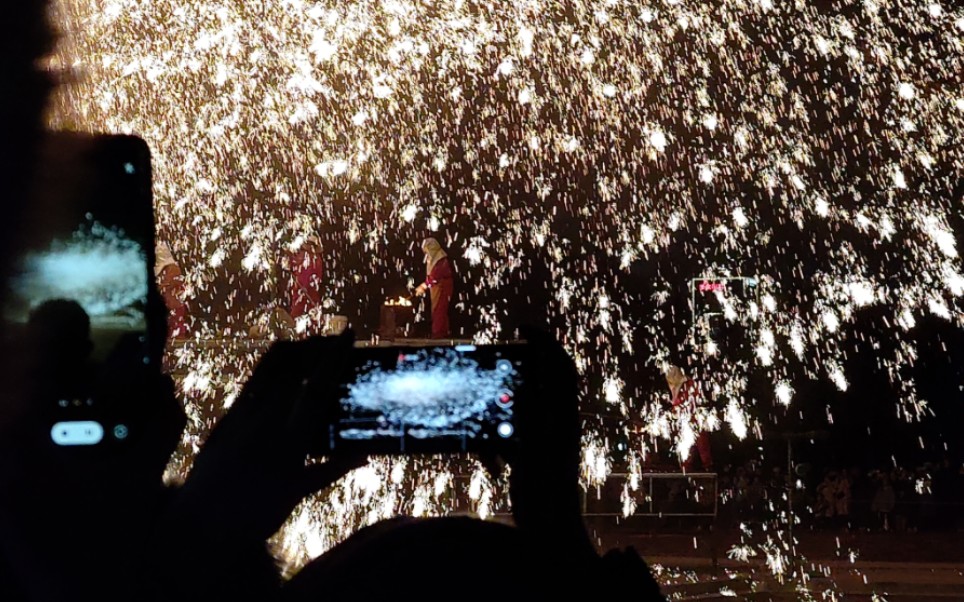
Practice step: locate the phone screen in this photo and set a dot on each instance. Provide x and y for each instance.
(430, 400)
(79, 293)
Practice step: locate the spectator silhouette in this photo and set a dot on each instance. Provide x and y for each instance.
(24, 38)
(883, 502)
(58, 341)
(70, 521)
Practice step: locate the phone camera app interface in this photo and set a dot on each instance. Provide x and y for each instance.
(450, 394)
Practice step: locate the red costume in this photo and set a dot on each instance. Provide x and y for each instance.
(171, 285)
(441, 284)
(685, 402)
(305, 291)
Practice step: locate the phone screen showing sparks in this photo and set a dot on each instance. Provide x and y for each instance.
(430, 400)
(78, 297)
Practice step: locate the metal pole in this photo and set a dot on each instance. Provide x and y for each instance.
(793, 548)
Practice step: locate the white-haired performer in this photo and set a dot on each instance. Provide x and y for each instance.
(440, 281)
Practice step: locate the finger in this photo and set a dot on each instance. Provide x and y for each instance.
(282, 372)
(264, 404)
(321, 387)
(493, 464)
(264, 377)
(551, 419)
(553, 355)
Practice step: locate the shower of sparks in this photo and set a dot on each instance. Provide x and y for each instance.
(559, 149)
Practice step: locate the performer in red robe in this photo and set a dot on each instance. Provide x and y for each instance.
(440, 282)
(306, 292)
(686, 396)
(170, 282)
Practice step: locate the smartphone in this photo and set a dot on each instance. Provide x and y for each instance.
(82, 300)
(430, 400)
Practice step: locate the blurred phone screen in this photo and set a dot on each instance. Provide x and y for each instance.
(86, 244)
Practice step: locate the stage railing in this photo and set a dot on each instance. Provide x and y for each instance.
(660, 494)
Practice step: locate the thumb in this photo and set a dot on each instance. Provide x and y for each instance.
(494, 464)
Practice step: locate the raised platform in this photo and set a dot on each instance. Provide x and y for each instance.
(413, 343)
(657, 494)
(252, 344)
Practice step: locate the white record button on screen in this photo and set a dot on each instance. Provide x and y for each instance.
(505, 429)
(77, 432)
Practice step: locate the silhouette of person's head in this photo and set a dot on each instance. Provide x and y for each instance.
(59, 313)
(439, 558)
(61, 329)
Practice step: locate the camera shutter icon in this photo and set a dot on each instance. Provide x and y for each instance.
(77, 432)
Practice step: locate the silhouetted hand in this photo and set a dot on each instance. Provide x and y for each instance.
(66, 513)
(252, 471)
(544, 474)
(545, 491)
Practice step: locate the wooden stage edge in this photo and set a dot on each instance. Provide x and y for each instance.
(414, 343)
(242, 343)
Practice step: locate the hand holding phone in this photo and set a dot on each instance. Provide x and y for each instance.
(252, 470)
(96, 421)
(83, 294)
(515, 403)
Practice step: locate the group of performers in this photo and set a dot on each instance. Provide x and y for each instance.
(305, 293)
